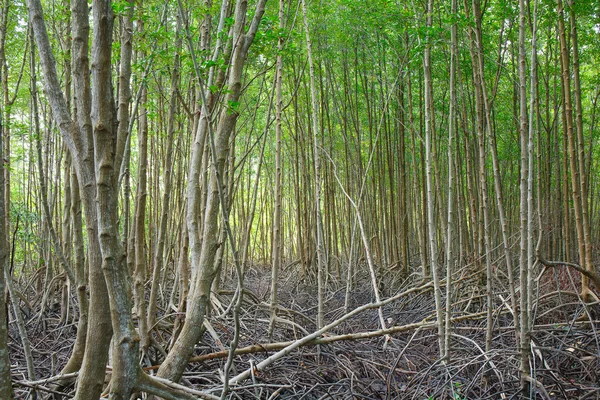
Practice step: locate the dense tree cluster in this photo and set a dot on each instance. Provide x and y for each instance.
(152, 153)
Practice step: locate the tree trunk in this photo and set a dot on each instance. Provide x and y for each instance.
(586, 292)
(450, 234)
(167, 174)
(203, 254)
(572, 146)
(5, 382)
(78, 138)
(524, 214)
(276, 240)
(321, 258)
(429, 165)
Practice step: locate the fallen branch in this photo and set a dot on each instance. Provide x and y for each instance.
(170, 390)
(308, 339)
(41, 388)
(268, 347)
(286, 347)
(55, 378)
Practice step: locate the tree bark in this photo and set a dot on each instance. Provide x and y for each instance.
(78, 138)
(276, 240)
(586, 292)
(450, 234)
(321, 263)
(203, 254)
(431, 225)
(572, 150)
(167, 179)
(5, 382)
(524, 211)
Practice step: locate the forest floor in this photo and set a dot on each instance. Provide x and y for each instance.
(565, 349)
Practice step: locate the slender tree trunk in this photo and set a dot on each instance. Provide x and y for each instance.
(478, 60)
(276, 241)
(5, 382)
(126, 370)
(167, 175)
(74, 362)
(4, 112)
(450, 234)
(571, 141)
(586, 292)
(203, 254)
(431, 225)
(565, 187)
(139, 224)
(479, 83)
(533, 112)
(321, 258)
(42, 177)
(524, 215)
(77, 277)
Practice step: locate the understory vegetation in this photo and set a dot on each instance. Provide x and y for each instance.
(299, 199)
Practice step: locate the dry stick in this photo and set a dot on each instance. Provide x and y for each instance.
(260, 348)
(282, 321)
(170, 390)
(388, 380)
(484, 354)
(365, 244)
(539, 385)
(349, 276)
(41, 388)
(307, 339)
(585, 310)
(20, 323)
(17, 311)
(155, 385)
(49, 380)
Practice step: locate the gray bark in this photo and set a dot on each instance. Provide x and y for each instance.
(432, 228)
(167, 173)
(276, 248)
(5, 383)
(321, 263)
(203, 254)
(78, 138)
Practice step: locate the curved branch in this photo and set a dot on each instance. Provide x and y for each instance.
(592, 275)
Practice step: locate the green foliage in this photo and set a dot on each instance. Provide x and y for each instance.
(25, 230)
(121, 7)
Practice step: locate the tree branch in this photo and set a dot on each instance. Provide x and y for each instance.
(594, 277)
(52, 85)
